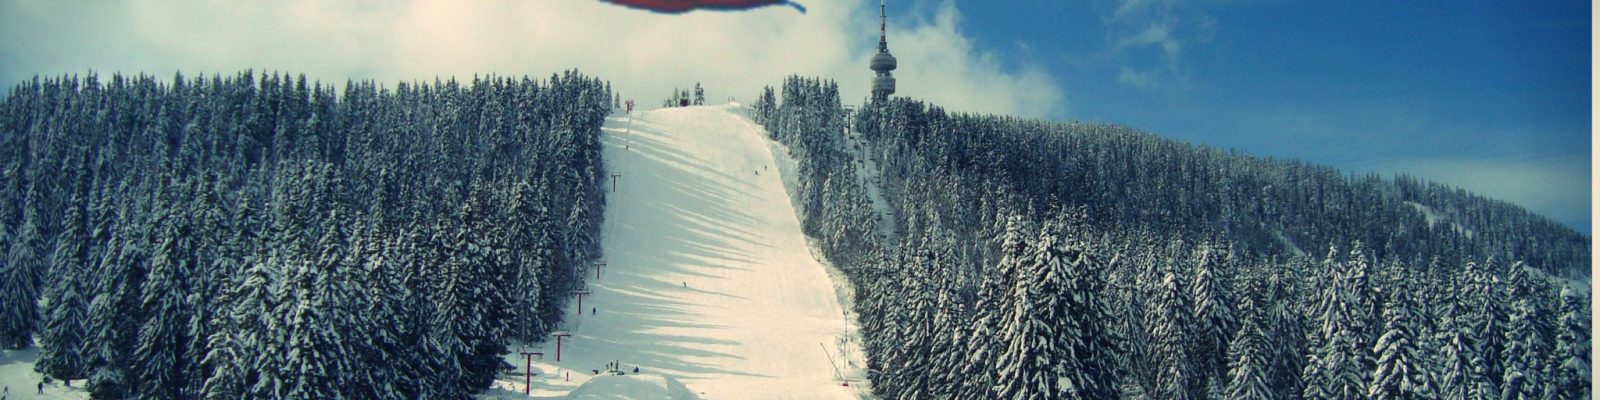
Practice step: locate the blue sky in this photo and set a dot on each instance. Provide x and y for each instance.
(1490, 96)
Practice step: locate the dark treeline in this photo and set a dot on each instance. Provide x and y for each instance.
(230, 237)
(1264, 206)
(1050, 260)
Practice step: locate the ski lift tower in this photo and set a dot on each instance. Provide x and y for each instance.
(882, 63)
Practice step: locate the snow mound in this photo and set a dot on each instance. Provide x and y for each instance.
(632, 387)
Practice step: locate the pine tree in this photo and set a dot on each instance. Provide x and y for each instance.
(910, 356)
(992, 311)
(1340, 360)
(114, 316)
(1248, 362)
(319, 359)
(949, 341)
(1456, 375)
(63, 340)
(244, 328)
(1074, 282)
(215, 261)
(1528, 338)
(1572, 348)
(1213, 316)
(1170, 330)
(160, 351)
(1400, 373)
(19, 284)
(1487, 328)
(1286, 338)
(380, 360)
(1025, 369)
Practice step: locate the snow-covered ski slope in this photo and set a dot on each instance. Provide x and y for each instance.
(707, 277)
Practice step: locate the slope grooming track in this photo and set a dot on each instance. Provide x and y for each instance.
(707, 279)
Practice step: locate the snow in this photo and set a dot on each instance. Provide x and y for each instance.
(17, 376)
(1433, 218)
(855, 374)
(632, 387)
(708, 279)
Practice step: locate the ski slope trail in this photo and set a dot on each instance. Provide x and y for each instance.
(707, 277)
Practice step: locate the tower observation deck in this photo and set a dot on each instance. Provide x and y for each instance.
(882, 63)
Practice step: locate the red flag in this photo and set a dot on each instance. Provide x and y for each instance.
(683, 6)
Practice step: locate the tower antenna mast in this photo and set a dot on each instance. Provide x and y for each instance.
(883, 27)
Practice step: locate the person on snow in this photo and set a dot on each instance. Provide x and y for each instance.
(592, 310)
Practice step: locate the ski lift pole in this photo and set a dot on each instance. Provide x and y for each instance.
(831, 363)
(558, 335)
(580, 293)
(527, 375)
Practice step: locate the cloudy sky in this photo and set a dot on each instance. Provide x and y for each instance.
(1490, 96)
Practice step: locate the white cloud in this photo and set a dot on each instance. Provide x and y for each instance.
(1137, 79)
(643, 54)
(1163, 27)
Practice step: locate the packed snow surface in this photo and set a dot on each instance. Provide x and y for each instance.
(19, 381)
(707, 278)
(632, 387)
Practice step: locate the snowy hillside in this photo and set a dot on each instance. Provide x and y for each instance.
(706, 278)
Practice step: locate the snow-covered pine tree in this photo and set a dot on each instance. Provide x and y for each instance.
(950, 345)
(19, 283)
(991, 311)
(10, 204)
(1453, 370)
(909, 358)
(1075, 280)
(454, 328)
(1170, 319)
(380, 359)
(1285, 335)
(215, 261)
(319, 314)
(431, 364)
(465, 297)
(1340, 362)
(1572, 348)
(1486, 325)
(1214, 320)
(62, 342)
(1529, 337)
(160, 354)
(1026, 368)
(244, 327)
(1249, 360)
(114, 315)
(1401, 372)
